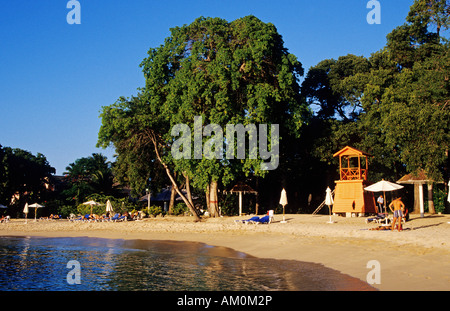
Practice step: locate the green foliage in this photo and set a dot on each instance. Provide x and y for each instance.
(155, 210)
(66, 210)
(228, 205)
(406, 101)
(3, 176)
(179, 209)
(120, 205)
(439, 199)
(83, 209)
(336, 86)
(25, 174)
(401, 93)
(226, 72)
(88, 175)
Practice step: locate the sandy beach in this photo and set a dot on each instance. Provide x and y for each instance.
(416, 259)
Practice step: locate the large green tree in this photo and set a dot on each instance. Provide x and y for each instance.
(394, 104)
(407, 94)
(24, 175)
(225, 72)
(88, 175)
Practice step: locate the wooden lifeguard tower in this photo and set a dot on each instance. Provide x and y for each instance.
(350, 197)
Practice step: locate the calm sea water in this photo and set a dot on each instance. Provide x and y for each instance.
(32, 263)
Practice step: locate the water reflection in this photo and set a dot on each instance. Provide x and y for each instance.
(115, 265)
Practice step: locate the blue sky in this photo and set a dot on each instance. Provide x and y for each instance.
(55, 77)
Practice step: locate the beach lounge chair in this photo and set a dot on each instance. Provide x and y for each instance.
(77, 219)
(246, 221)
(380, 218)
(118, 217)
(115, 217)
(105, 218)
(262, 220)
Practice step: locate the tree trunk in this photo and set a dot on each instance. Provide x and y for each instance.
(207, 198)
(213, 200)
(172, 196)
(431, 209)
(172, 200)
(191, 207)
(188, 189)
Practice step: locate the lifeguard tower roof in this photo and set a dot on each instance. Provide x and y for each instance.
(350, 151)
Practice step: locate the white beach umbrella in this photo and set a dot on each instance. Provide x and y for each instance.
(448, 199)
(329, 201)
(91, 203)
(109, 207)
(36, 206)
(25, 211)
(383, 185)
(329, 198)
(284, 202)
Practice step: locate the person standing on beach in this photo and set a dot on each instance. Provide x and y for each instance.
(398, 208)
(380, 202)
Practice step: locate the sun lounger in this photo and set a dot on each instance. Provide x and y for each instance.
(381, 217)
(87, 217)
(246, 221)
(117, 217)
(105, 218)
(262, 220)
(79, 218)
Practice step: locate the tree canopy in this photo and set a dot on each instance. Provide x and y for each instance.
(88, 175)
(394, 104)
(23, 174)
(224, 72)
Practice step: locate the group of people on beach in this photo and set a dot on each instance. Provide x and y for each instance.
(51, 217)
(109, 217)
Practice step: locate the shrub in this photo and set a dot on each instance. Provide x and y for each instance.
(66, 210)
(84, 209)
(154, 210)
(229, 205)
(439, 197)
(179, 209)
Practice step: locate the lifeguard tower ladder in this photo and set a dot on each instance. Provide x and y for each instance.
(350, 197)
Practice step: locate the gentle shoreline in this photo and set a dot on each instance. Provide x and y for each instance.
(417, 259)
